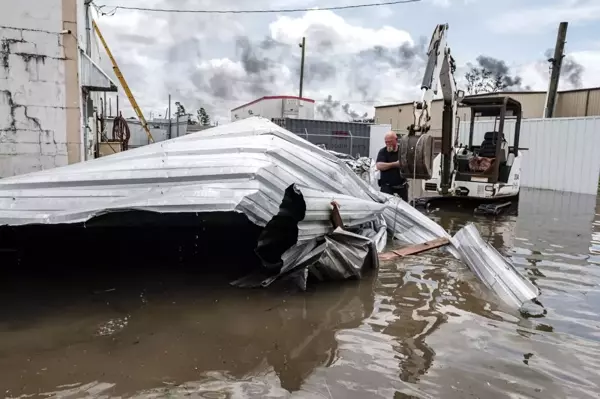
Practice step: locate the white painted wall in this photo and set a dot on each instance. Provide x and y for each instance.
(276, 108)
(562, 153)
(377, 141)
(32, 87)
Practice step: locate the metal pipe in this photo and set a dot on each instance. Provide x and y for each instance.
(169, 116)
(88, 29)
(587, 103)
(351, 142)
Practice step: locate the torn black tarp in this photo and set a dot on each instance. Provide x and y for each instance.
(337, 255)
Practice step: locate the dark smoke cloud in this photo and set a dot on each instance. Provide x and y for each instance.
(184, 51)
(405, 56)
(316, 70)
(252, 62)
(263, 59)
(570, 69)
(499, 68)
(351, 113)
(330, 109)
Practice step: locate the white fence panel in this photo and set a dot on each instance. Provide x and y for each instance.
(563, 153)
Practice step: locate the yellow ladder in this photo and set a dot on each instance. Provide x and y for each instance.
(134, 104)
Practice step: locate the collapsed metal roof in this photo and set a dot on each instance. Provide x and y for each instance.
(243, 167)
(250, 167)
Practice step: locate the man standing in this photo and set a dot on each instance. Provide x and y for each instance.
(388, 163)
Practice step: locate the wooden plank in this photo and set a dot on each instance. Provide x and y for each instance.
(414, 249)
(336, 217)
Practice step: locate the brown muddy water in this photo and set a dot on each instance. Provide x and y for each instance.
(423, 327)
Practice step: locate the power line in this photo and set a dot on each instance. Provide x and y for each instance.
(284, 10)
(341, 101)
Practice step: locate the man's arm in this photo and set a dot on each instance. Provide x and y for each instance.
(387, 165)
(380, 163)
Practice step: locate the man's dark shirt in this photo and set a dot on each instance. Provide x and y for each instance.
(392, 176)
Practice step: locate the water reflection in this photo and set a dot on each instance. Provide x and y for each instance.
(178, 335)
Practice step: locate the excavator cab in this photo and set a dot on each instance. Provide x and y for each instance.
(490, 152)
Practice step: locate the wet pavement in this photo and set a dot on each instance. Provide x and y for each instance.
(423, 327)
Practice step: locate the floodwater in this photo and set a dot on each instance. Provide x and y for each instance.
(423, 327)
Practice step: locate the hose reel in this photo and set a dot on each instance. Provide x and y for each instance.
(415, 153)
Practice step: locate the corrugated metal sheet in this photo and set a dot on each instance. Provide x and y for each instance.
(502, 277)
(562, 153)
(593, 104)
(335, 135)
(571, 104)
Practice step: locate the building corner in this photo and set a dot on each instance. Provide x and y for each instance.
(72, 92)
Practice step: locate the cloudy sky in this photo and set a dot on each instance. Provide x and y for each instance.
(355, 59)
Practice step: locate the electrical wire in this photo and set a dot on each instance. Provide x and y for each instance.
(279, 11)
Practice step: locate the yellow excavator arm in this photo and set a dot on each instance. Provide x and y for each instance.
(124, 85)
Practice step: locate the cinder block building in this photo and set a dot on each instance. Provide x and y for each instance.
(50, 85)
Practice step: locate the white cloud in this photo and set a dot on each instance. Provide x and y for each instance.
(220, 62)
(326, 26)
(532, 20)
(441, 3)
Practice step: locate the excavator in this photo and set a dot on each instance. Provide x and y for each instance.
(485, 172)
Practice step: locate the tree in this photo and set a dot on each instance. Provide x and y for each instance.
(180, 109)
(481, 80)
(203, 117)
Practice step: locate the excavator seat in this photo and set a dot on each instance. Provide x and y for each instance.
(488, 146)
(486, 156)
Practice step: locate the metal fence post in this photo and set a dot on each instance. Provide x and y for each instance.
(351, 142)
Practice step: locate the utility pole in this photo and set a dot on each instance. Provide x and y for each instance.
(555, 64)
(88, 29)
(169, 116)
(178, 105)
(303, 47)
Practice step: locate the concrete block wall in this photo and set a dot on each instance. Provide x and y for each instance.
(36, 103)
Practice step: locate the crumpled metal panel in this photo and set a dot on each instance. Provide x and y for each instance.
(409, 225)
(339, 255)
(346, 255)
(493, 269)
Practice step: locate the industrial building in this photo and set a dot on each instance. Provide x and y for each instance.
(570, 103)
(276, 107)
(50, 85)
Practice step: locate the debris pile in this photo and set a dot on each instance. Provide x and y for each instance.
(279, 181)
